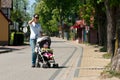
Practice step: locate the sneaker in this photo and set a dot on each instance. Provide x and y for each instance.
(33, 65)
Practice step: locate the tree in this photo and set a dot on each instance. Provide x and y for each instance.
(109, 27)
(19, 14)
(112, 13)
(100, 21)
(105, 19)
(46, 18)
(55, 9)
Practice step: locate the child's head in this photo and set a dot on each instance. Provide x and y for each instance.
(46, 45)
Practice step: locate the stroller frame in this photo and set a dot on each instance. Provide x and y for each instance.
(41, 58)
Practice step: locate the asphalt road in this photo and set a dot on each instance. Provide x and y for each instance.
(16, 65)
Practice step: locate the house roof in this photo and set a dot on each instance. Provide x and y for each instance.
(6, 17)
(6, 3)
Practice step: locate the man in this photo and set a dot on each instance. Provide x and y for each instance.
(36, 31)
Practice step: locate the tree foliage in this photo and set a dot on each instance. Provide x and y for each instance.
(19, 13)
(104, 12)
(55, 12)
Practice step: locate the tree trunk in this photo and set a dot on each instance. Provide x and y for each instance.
(118, 27)
(99, 32)
(116, 62)
(116, 57)
(101, 23)
(0, 4)
(109, 27)
(116, 44)
(102, 29)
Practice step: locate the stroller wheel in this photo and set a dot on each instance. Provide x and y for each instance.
(38, 65)
(55, 65)
(49, 65)
(45, 66)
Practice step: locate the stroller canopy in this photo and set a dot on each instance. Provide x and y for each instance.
(41, 41)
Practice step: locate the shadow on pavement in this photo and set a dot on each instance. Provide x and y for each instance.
(6, 48)
(58, 41)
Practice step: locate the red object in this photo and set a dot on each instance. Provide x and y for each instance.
(78, 24)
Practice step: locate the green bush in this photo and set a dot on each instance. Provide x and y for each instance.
(16, 38)
(103, 49)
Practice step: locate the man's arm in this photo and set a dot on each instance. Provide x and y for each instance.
(30, 22)
(41, 33)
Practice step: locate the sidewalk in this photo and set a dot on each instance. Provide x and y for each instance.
(92, 63)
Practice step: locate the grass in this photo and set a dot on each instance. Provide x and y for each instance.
(107, 56)
(108, 73)
(114, 74)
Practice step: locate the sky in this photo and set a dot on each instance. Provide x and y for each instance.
(31, 9)
(31, 1)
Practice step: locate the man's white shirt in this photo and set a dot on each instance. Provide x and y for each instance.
(35, 30)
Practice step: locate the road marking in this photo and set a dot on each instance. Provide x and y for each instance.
(59, 70)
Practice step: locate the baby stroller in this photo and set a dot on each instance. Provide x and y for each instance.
(44, 53)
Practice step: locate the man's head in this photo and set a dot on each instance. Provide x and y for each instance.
(36, 17)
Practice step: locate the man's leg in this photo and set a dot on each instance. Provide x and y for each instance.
(34, 56)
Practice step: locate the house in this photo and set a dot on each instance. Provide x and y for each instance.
(4, 29)
(5, 6)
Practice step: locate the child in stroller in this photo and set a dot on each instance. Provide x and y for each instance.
(45, 53)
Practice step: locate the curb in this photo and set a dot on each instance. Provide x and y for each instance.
(5, 51)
